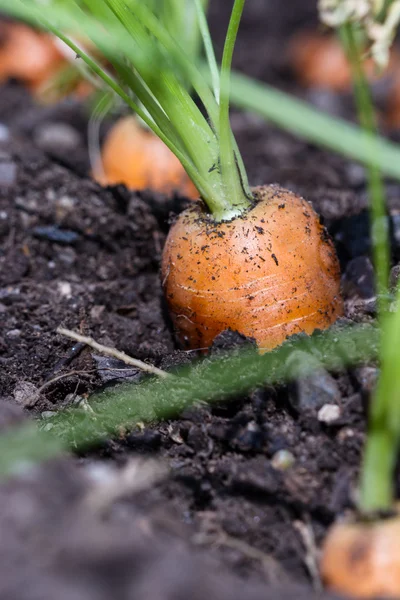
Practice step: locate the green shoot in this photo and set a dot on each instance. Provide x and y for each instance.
(208, 47)
(379, 226)
(383, 439)
(60, 84)
(305, 121)
(180, 19)
(102, 107)
(230, 174)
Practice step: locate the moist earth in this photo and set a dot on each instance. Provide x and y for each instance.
(247, 488)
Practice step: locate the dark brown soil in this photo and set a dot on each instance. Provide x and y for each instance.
(227, 519)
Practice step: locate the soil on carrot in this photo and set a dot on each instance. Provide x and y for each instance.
(251, 485)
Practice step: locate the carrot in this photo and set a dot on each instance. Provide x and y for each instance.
(259, 260)
(320, 61)
(27, 55)
(269, 273)
(136, 157)
(363, 559)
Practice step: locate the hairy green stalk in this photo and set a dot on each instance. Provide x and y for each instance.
(126, 405)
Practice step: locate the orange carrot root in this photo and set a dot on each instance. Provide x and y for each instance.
(363, 559)
(137, 158)
(268, 274)
(27, 55)
(320, 61)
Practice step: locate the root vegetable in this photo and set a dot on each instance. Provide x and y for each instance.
(27, 55)
(268, 273)
(362, 559)
(137, 158)
(320, 61)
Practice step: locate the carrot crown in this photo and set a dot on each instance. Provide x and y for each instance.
(151, 73)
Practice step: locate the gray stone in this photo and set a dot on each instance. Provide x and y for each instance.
(358, 279)
(367, 377)
(55, 136)
(8, 173)
(26, 394)
(4, 133)
(314, 386)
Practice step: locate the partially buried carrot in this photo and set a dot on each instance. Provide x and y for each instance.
(363, 559)
(254, 260)
(27, 55)
(136, 157)
(268, 273)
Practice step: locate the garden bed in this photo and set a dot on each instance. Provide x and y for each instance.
(227, 519)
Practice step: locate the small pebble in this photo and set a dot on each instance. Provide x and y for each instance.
(329, 413)
(13, 333)
(8, 173)
(367, 377)
(67, 255)
(65, 289)
(55, 234)
(355, 174)
(358, 279)
(67, 202)
(313, 391)
(53, 137)
(48, 414)
(26, 394)
(112, 369)
(282, 460)
(4, 133)
(97, 312)
(9, 293)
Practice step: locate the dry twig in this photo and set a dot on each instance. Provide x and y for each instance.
(311, 557)
(113, 352)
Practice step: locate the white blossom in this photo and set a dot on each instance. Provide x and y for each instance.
(378, 21)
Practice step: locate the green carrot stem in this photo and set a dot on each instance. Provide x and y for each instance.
(383, 438)
(379, 221)
(237, 200)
